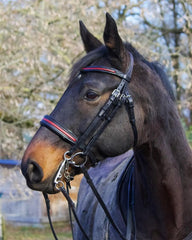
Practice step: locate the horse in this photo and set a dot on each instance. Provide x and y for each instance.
(116, 102)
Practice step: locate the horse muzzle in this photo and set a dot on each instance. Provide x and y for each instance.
(40, 162)
(33, 174)
(43, 165)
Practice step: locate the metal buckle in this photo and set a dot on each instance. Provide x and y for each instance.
(63, 167)
(129, 100)
(123, 98)
(81, 164)
(116, 93)
(68, 160)
(59, 185)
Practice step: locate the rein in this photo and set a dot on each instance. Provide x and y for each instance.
(120, 96)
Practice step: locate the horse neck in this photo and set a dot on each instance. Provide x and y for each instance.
(163, 182)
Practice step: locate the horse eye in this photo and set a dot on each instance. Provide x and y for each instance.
(91, 95)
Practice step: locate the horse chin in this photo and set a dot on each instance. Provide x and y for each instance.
(45, 186)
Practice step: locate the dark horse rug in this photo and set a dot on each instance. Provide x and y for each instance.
(109, 177)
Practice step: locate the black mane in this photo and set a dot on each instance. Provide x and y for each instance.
(155, 66)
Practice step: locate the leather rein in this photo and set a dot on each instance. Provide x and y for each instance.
(82, 146)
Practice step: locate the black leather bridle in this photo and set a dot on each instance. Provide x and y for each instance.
(118, 97)
(82, 145)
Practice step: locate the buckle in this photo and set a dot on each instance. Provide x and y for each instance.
(116, 93)
(129, 100)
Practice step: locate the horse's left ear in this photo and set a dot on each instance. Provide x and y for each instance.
(114, 42)
(90, 42)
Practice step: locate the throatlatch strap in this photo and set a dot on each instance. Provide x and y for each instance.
(55, 127)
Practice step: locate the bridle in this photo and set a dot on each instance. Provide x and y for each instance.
(118, 97)
(82, 146)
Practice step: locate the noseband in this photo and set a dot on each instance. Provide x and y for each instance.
(120, 96)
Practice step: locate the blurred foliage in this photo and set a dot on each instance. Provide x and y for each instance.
(39, 41)
(189, 135)
(41, 232)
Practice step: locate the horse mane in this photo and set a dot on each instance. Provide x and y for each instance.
(154, 66)
(100, 52)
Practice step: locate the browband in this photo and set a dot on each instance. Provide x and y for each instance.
(108, 70)
(112, 71)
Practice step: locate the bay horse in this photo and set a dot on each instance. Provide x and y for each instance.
(117, 100)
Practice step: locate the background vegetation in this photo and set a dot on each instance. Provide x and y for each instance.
(33, 233)
(39, 41)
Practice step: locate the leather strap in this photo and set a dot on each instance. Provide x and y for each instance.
(56, 127)
(108, 70)
(47, 203)
(71, 207)
(100, 200)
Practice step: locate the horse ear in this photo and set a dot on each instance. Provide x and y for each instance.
(113, 41)
(90, 42)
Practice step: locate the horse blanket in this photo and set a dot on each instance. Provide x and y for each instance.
(106, 176)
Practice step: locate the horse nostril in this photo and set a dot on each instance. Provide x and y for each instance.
(34, 173)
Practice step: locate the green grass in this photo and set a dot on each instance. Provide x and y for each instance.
(11, 232)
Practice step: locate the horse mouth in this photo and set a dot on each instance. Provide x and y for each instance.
(49, 185)
(46, 186)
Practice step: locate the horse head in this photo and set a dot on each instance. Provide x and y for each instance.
(87, 92)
